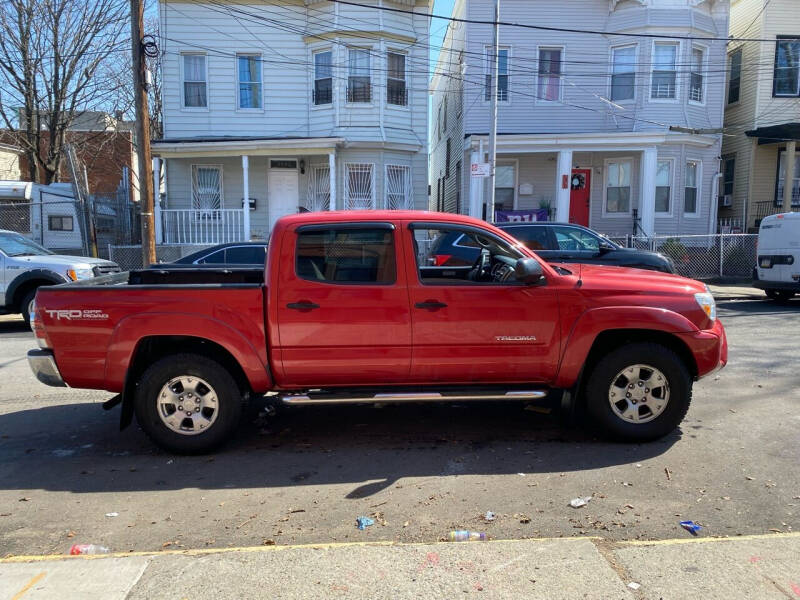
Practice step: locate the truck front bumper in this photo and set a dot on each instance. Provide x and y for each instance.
(43, 365)
(709, 348)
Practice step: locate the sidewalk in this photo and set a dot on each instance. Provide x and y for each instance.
(761, 567)
(736, 291)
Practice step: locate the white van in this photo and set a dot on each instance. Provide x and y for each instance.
(778, 268)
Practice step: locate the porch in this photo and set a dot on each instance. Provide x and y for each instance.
(640, 183)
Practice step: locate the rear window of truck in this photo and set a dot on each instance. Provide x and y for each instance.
(347, 255)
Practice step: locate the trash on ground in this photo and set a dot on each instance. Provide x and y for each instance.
(634, 586)
(578, 502)
(669, 473)
(112, 514)
(521, 474)
(364, 522)
(691, 527)
(88, 549)
(466, 536)
(489, 516)
(524, 519)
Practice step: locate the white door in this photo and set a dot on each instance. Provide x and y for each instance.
(283, 194)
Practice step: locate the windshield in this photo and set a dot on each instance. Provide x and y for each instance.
(13, 244)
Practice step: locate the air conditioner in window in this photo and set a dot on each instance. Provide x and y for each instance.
(727, 200)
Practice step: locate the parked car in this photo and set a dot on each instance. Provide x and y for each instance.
(350, 310)
(559, 242)
(25, 266)
(239, 253)
(778, 269)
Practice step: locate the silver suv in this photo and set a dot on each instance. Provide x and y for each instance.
(25, 266)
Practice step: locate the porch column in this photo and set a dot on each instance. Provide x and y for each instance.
(475, 187)
(788, 181)
(563, 176)
(332, 176)
(246, 201)
(647, 187)
(157, 200)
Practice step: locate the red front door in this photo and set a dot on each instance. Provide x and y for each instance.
(580, 186)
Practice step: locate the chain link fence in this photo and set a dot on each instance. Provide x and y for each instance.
(703, 256)
(130, 256)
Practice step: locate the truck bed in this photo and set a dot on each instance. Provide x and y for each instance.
(183, 276)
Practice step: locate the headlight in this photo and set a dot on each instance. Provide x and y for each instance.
(76, 274)
(707, 303)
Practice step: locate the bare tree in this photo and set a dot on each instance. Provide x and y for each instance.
(50, 54)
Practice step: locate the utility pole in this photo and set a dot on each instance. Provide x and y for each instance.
(493, 92)
(146, 191)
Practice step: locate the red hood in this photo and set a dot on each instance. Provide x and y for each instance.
(629, 279)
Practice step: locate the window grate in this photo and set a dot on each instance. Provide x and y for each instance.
(319, 189)
(360, 190)
(398, 187)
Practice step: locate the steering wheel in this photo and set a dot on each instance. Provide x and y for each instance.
(480, 270)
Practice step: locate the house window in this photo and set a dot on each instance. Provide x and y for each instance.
(623, 73)
(735, 77)
(396, 91)
(249, 80)
(782, 177)
(502, 74)
(697, 77)
(444, 116)
(60, 223)
(549, 86)
(728, 175)
(618, 186)
(787, 67)
(319, 189)
(359, 186)
(440, 127)
(663, 186)
(359, 88)
(690, 193)
(664, 76)
(323, 78)
(206, 189)
(398, 187)
(447, 160)
(505, 178)
(458, 187)
(194, 81)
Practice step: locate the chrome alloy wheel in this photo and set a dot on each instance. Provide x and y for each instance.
(187, 405)
(638, 394)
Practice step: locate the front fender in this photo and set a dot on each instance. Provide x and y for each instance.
(51, 277)
(131, 330)
(594, 321)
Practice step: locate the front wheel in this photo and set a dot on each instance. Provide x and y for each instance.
(639, 392)
(187, 403)
(26, 305)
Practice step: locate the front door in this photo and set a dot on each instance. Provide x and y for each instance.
(341, 305)
(283, 194)
(472, 321)
(580, 187)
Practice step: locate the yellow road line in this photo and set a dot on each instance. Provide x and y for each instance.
(385, 543)
(28, 586)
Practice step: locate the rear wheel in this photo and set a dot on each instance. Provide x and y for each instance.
(779, 295)
(188, 404)
(639, 392)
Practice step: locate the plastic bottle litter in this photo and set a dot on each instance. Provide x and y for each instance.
(691, 527)
(578, 502)
(364, 522)
(112, 514)
(466, 536)
(634, 586)
(489, 516)
(88, 549)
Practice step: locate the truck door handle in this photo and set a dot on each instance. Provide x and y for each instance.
(431, 304)
(302, 305)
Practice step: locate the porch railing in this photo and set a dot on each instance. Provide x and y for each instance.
(203, 226)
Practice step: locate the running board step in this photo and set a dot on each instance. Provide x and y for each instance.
(308, 399)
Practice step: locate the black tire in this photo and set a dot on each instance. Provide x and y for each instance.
(779, 295)
(604, 375)
(228, 403)
(25, 305)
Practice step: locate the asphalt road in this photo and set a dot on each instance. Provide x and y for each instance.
(420, 471)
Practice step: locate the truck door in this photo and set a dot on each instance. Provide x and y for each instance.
(342, 306)
(480, 325)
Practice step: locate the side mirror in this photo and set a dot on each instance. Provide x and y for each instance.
(529, 271)
(605, 247)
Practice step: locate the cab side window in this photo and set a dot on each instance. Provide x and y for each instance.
(215, 258)
(535, 238)
(346, 255)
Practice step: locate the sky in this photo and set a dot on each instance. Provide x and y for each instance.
(438, 28)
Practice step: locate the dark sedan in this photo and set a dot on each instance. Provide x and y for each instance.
(555, 242)
(239, 254)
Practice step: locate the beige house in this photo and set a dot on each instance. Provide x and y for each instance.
(762, 115)
(9, 162)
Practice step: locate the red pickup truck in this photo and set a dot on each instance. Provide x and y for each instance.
(351, 307)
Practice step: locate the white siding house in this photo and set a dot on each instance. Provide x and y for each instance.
(294, 104)
(586, 122)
